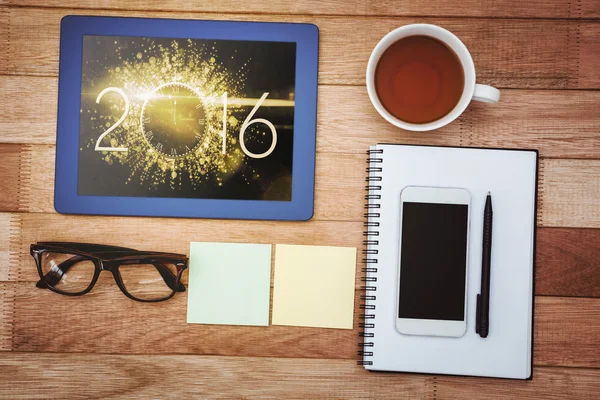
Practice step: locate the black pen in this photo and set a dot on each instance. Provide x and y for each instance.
(482, 323)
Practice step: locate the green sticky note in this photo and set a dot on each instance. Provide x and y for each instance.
(229, 283)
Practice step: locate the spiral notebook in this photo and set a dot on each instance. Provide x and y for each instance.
(511, 175)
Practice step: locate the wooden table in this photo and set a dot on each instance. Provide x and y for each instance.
(543, 54)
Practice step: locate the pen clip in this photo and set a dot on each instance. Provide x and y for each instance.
(477, 316)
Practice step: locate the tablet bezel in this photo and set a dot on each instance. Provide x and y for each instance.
(74, 28)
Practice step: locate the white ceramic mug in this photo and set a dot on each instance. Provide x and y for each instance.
(471, 90)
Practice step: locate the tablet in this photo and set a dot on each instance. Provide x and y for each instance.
(184, 118)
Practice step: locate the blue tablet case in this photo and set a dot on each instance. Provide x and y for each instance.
(81, 189)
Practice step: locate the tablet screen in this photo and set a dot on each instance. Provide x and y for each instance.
(186, 118)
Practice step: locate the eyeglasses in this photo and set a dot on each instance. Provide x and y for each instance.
(72, 269)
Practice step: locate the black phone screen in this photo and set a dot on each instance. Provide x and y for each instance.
(433, 261)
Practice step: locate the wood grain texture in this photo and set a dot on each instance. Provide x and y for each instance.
(560, 123)
(587, 67)
(7, 230)
(472, 8)
(569, 189)
(568, 261)
(580, 321)
(28, 108)
(105, 321)
(7, 269)
(6, 291)
(547, 383)
(203, 377)
(508, 53)
(566, 198)
(4, 38)
(206, 377)
(81, 376)
(153, 353)
(167, 234)
(6, 317)
(567, 330)
(12, 180)
(27, 174)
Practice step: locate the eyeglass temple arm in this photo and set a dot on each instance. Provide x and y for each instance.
(55, 274)
(169, 278)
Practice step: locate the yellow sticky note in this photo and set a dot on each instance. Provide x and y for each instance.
(314, 286)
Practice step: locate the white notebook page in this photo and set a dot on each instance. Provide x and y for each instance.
(511, 178)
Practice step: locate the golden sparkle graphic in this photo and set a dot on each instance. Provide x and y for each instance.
(172, 113)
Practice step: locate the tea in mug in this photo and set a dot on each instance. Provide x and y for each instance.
(419, 79)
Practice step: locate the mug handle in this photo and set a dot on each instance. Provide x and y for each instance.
(485, 93)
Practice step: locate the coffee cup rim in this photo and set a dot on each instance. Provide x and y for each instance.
(450, 40)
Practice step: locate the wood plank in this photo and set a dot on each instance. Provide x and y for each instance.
(547, 383)
(570, 192)
(27, 177)
(75, 376)
(102, 376)
(567, 330)
(4, 39)
(508, 53)
(471, 8)
(568, 261)
(583, 8)
(7, 268)
(559, 322)
(105, 321)
(7, 230)
(6, 293)
(28, 108)
(12, 181)
(587, 67)
(560, 123)
(6, 319)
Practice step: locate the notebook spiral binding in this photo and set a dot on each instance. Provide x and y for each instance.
(370, 253)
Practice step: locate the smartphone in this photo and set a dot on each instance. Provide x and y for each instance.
(433, 261)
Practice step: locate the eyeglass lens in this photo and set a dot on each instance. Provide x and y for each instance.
(68, 273)
(150, 281)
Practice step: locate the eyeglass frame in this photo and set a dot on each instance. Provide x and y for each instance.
(109, 258)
